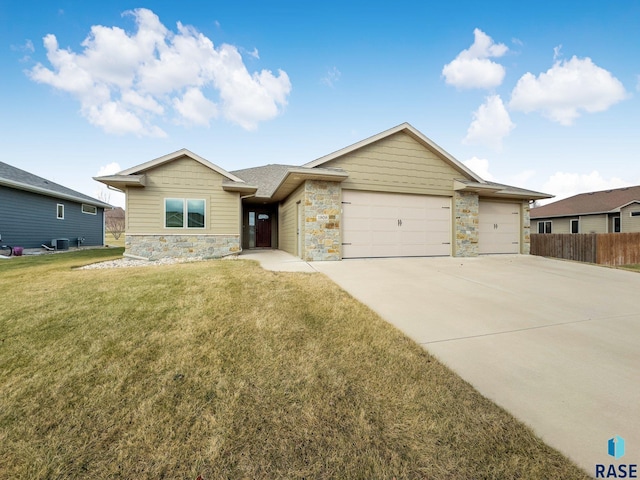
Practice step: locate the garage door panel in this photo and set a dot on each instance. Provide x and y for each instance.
(396, 225)
(498, 227)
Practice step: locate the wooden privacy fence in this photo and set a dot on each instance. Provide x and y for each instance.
(602, 248)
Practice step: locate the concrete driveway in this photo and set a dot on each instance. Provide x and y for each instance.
(555, 343)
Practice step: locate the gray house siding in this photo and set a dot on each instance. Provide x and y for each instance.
(29, 220)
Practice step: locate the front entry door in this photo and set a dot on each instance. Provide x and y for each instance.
(263, 230)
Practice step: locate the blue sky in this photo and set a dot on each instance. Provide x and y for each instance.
(544, 95)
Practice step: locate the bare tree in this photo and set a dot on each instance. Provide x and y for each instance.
(104, 196)
(114, 222)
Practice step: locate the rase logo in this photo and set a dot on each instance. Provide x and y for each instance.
(616, 449)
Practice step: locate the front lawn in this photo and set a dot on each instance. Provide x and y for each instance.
(223, 370)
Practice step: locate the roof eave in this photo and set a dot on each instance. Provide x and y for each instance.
(474, 187)
(521, 195)
(296, 175)
(52, 193)
(498, 191)
(242, 188)
(560, 215)
(120, 181)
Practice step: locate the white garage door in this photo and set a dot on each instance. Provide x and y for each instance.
(498, 227)
(395, 225)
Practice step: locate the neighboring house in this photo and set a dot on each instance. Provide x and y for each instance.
(394, 194)
(35, 211)
(606, 211)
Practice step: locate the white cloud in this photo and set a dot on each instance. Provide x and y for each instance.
(114, 117)
(195, 108)
(27, 47)
(247, 99)
(472, 67)
(479, 166)
(522, 178)
(112, 197)
(331, 78)
(557, 52)
(565, 184)
(125, 82)
(567, 89)
(109, 169)
(143, 102)
(491, 123)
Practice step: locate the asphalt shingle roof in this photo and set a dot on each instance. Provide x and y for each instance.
(12, 175)
(266, 178)
(592, 202)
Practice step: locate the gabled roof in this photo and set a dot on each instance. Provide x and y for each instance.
(143, 167)
(604, 201)
(411, 131)
(22, 180)
(136, 176)
(276, 182)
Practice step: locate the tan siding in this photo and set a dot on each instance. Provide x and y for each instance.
(397, 164)
(593, 224)
(182, 178)
(627, 222)
(561, 225)
(558, 225)
(288, 222)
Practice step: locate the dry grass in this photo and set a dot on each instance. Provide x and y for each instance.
(110, 240)
(634, 267)
(223, 370)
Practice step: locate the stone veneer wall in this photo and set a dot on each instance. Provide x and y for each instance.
(466, 206)
(322, 236)
(526, 228)
(155, 247)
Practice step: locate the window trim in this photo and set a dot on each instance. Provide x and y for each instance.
(577, 221)
(619, 221)
(185, 213)
(544, 223)
(95, 209)
(634, 213)
(60, 211)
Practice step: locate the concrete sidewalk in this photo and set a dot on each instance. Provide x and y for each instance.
(277, 260)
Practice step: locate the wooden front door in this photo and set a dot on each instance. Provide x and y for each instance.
(263, 230)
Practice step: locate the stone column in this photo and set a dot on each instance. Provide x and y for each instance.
(526, 228)
(466, 205)
(322, 215)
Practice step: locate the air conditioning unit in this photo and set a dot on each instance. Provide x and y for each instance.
(60, 243)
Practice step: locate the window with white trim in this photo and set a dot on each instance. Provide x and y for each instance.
(184, 213)
(89, 209)
(575, 226)
(60, 211)
(544, 226)
(635, 213)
